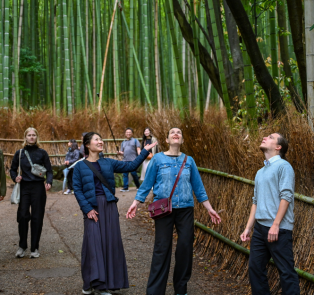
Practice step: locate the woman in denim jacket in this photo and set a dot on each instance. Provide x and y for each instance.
(161, 175)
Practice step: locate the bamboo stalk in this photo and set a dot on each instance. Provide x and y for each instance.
(301, 273)
(90, 96)
(137, 64)
(297, 196)
(105, 59)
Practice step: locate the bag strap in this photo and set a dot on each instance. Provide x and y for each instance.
(19, 174)
(28, 157)
(99, 175)
(177, 179)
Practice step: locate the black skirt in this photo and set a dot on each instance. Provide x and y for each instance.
(103, 259)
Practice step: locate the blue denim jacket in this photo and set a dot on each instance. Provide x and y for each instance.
(161, 174)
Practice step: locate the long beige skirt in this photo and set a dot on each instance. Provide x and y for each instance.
(144, 168)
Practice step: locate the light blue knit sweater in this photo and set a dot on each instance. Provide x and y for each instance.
(273, 183)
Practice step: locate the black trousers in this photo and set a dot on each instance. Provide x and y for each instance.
(69, 177)
(282, 254)
(183, 220)
(33, 195)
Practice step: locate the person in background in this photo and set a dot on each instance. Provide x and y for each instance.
(82, 151)
(3, 184)
(148, 138)
(33, 191)
(161, 175)
(130, 149)
(71, 157)
(272, 209)
(103, 262)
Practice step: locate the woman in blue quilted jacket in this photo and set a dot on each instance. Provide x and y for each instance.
(103, 261)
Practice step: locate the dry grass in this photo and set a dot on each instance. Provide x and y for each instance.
(214, 145)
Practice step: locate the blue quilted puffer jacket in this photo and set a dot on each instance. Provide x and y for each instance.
(83, 179)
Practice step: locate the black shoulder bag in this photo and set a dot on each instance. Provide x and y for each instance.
(99, 176)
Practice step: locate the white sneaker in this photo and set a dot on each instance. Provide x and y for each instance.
(124, 190)
(97, 292)
(34, 254)
(67, 192)
(89, 291)
(20, 253)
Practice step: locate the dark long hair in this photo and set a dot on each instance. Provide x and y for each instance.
(74, 145)
(87, 139)
(144, 137)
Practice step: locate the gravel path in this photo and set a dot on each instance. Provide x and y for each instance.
(57, 271)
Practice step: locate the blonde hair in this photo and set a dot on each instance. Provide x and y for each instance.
(26, 132)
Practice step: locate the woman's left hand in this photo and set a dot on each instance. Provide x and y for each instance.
(48, 186)
(150, 146)
(214, 216)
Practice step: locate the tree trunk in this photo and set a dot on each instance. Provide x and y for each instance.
(295, 11)
(263, 76)
(284, 52)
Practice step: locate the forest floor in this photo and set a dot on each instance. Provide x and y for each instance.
(57, 271)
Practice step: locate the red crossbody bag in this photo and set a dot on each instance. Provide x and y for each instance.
(163, 207)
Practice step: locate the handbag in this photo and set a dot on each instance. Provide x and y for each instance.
(99, 176)
(37, 169)
(15, 196)
(163, 207)
(149, 157)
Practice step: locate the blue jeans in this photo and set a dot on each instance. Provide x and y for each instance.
(126, 179)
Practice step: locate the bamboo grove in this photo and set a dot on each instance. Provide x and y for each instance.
(159, 53)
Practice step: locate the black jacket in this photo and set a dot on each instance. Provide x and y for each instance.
(72, 156)
(38, 156)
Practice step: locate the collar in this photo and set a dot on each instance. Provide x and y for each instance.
(272, 160)
(31, 147)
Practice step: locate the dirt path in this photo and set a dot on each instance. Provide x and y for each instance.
(57, 271)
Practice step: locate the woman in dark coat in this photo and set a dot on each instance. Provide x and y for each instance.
(103, 260)
(71, 157)
(33, 191)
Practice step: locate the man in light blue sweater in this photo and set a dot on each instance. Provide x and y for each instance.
(272, 208)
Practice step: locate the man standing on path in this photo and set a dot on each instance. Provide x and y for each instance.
(272, 208)
(130, 149)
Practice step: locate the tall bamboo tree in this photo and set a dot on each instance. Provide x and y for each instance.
(16, 60)
(6, 53)
(273, 43)
(67, 59)
(213, 17)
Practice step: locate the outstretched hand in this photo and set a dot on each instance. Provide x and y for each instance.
(214, 216)
(132, 210)
(150, 146)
